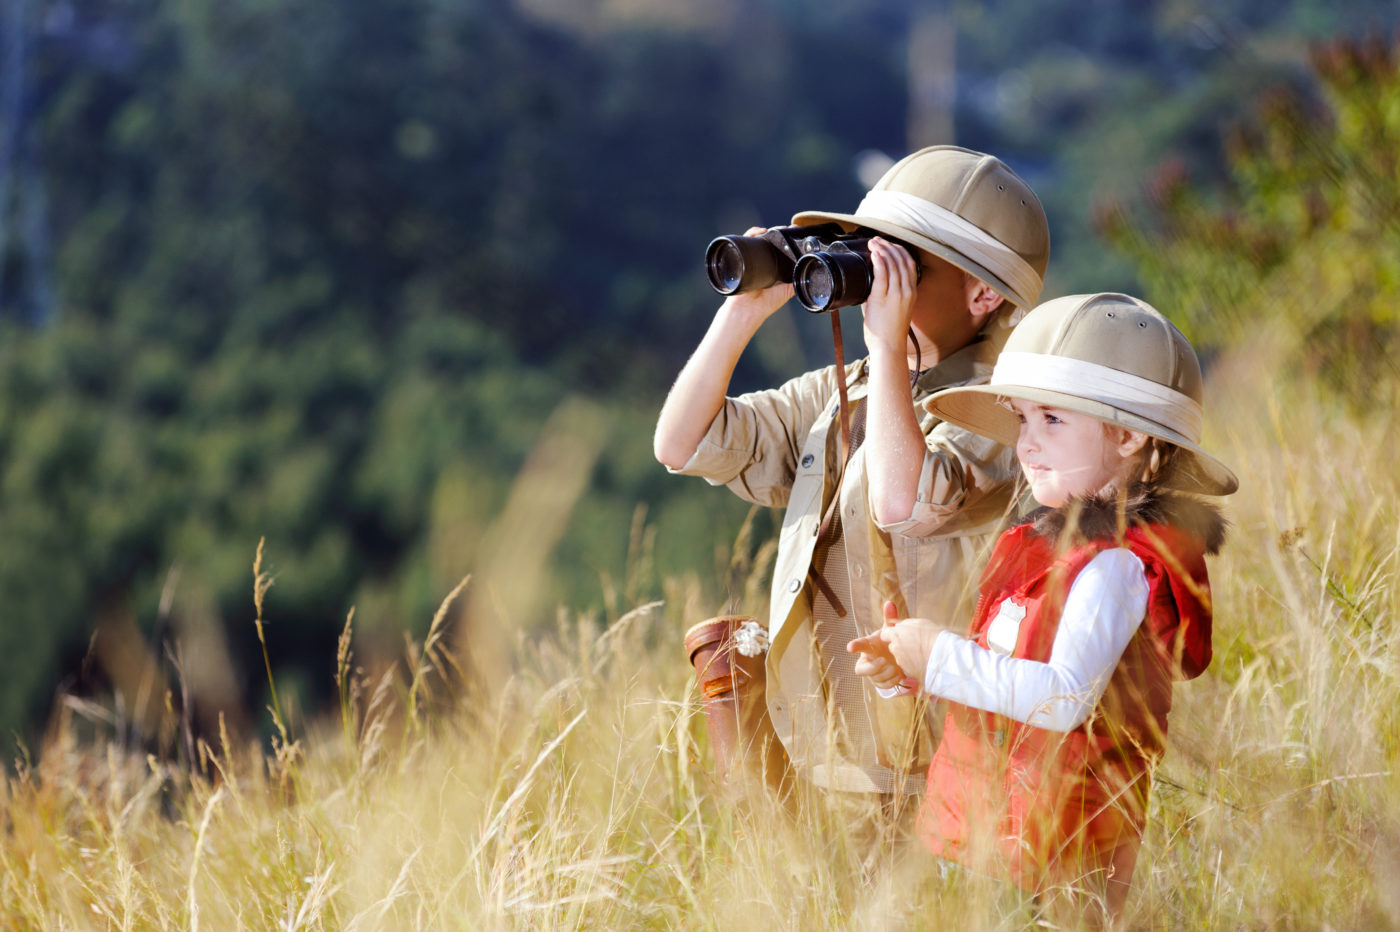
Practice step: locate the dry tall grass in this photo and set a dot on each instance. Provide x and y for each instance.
(576, 794)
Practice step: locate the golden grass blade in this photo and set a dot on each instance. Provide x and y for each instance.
(522, 788)
(191, 898)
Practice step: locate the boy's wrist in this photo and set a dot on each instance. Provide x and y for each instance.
(886, 355)
(751, 308)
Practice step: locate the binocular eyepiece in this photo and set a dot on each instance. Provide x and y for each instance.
(828, 268)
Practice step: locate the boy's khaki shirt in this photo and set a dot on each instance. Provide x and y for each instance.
(780, 448)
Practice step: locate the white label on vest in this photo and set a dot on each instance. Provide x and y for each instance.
(1006, 627)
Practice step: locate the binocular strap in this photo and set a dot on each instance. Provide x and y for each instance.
(829, 531)
(844, 407)
(840, 352)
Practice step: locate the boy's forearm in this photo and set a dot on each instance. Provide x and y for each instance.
(894, 443)
(699, 390)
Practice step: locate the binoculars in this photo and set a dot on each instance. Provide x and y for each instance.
(828, 267)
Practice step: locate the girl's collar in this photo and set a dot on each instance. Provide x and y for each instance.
(1103, 517)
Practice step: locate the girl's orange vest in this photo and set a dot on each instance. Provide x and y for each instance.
(1041, 807)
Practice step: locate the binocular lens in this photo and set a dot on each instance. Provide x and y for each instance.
(725, 266)
(815, 285)
(745, 263)
(825, 281)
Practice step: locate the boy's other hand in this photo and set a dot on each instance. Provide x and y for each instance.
(890, 307)
(757, 306)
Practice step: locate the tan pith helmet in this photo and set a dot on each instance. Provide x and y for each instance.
(1110, 356)
(962, 206)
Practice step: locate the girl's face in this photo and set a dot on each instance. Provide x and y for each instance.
(1065, 454)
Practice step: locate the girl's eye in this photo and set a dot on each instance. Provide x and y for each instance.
(1051, 419)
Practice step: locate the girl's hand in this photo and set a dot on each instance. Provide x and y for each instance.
(891, 303)
(876, 660)
(910, 643)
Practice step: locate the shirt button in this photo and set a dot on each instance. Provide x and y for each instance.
(860, 570)
(807, 460)
(794, 584)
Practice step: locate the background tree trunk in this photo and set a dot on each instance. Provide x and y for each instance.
(932, 74)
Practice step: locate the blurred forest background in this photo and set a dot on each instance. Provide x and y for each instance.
(340, 275)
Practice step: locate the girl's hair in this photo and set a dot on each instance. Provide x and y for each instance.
(1156, 462)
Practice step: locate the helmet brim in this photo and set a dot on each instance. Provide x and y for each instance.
(978, 408)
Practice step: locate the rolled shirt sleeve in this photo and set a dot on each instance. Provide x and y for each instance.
(1105, 606)
(964, 482)
(754, 442)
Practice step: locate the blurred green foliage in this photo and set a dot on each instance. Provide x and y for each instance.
(1298, 254)
(319, 272)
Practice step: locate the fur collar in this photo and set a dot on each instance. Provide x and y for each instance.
(1098, 518)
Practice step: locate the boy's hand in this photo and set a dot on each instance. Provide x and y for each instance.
(761, 304)
(876, 660)
(758, 305)
(891, 303)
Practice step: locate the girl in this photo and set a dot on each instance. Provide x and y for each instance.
(1087, 611)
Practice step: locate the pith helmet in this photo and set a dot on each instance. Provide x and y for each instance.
(1110, 356)
(962, 206)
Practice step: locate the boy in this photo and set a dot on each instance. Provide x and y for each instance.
(982, 240)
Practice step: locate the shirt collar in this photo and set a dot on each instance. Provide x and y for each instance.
(973, 363)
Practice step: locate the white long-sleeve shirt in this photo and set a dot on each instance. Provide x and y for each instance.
(1105, 605)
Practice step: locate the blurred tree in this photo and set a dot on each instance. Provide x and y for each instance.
(1300, 250)
(1083, 97)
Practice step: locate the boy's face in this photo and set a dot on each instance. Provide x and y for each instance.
(945, 298)
(1065, 454)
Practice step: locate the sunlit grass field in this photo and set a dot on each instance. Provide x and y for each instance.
(569, 787)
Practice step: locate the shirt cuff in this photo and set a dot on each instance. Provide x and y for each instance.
(943, 645)
(909, 687)
(927, 517)
(713, 463)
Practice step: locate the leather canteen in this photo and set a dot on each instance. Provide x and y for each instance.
(732, 690)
